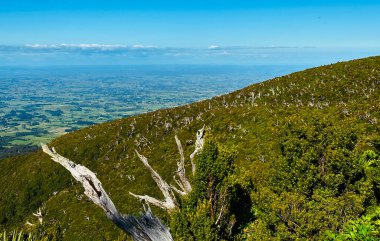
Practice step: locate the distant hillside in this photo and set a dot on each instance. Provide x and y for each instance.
(299, 140)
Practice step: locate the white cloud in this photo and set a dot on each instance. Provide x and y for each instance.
(139, 46)
(104, 47)
(143, 52)
(213, 46)
(40, 46)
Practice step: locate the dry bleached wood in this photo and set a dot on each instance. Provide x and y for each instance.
(183, 183)
(198, 146)
(39, 215)
(170, 202)
(147, 227)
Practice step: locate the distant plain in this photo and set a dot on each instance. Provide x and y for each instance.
(38, 104)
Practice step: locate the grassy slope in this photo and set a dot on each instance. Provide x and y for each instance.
(255, 128)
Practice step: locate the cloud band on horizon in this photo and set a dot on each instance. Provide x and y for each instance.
(42, 54)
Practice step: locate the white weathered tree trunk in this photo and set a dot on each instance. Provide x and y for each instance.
(198, 146)
(170, 202)
(147, 227)
(39, 215)
(183, 183)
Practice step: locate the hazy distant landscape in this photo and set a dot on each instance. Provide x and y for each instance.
(39, 104)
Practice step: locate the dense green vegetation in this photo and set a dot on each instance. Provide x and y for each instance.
(211, 211)
(365, 228)
(38, 232)
(16, 150)
(294, 158)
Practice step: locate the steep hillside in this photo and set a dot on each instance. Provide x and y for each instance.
(298, 139)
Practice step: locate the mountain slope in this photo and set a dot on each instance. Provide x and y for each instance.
(298, 138)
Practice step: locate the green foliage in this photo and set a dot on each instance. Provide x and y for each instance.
(34, 233)
(299, 212)
(298, 139)
(207, 213)
(370, 163)
(365, 228)
(16, 236)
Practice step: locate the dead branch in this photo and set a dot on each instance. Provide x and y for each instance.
(198, 146)
(170, 202)
(39, 215)
(183, 182)
(147, 227)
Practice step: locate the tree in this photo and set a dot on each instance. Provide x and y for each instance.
(147, 227)
(206, 214)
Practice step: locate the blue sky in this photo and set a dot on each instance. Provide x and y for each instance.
(247, 32)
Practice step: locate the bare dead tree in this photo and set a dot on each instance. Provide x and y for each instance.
(198, 146)
(39, 215)
(147, 227)
(183, 182)
(170, 202)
